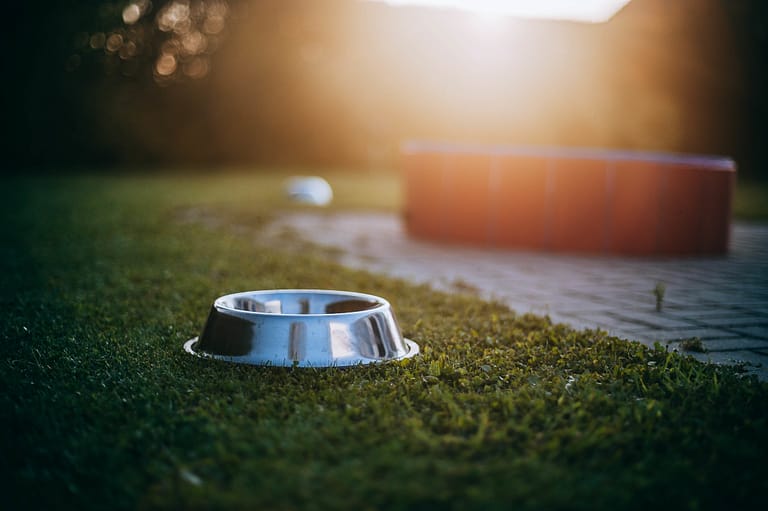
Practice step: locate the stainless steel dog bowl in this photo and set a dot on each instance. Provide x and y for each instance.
(304, 327)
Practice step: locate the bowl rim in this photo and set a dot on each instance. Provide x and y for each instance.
(189, 347)
(381, 303)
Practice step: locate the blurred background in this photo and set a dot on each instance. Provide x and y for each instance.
(195, 84)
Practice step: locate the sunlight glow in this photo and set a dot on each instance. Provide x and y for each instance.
(590, 11)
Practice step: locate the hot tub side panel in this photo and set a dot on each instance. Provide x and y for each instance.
(466, 194)
(577, 205)
(424, 203)
(635, 207)
(518, 202)
(717, 197)
(630, 204)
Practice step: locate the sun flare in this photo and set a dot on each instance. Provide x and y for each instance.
(590, 11)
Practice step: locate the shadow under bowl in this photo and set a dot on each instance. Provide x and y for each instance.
(302, 327)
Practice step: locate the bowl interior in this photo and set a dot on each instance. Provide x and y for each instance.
(299, 302)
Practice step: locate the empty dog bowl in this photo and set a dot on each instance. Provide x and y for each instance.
(308, 328)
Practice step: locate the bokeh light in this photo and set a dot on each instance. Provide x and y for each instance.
(128, 50)
(173, 39)
(196, 68)
(114, 42)
(191, 27)
(166, 65)
(131, 14)
(193, 43)
(97, 40)
(174, 17)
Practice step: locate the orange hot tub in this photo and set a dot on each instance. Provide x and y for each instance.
(569, 200)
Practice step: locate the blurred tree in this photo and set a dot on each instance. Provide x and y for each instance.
(69, 63)
(113, 82)
(750, 22)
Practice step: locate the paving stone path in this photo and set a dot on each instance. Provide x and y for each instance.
(723, 301)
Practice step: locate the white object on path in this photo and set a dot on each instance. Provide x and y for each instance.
(310, 190)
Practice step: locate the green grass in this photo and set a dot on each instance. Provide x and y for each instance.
(103, 279)
(750, 201)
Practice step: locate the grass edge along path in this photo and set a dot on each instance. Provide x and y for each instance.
(102, 283)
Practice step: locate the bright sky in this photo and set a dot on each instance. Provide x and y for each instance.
(591, 11)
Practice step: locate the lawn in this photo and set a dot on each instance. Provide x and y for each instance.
(104, 278)
(750, 201)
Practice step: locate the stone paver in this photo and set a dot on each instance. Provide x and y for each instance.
(721, 300)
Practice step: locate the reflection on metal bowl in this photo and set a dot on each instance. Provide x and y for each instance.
(302, 327)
